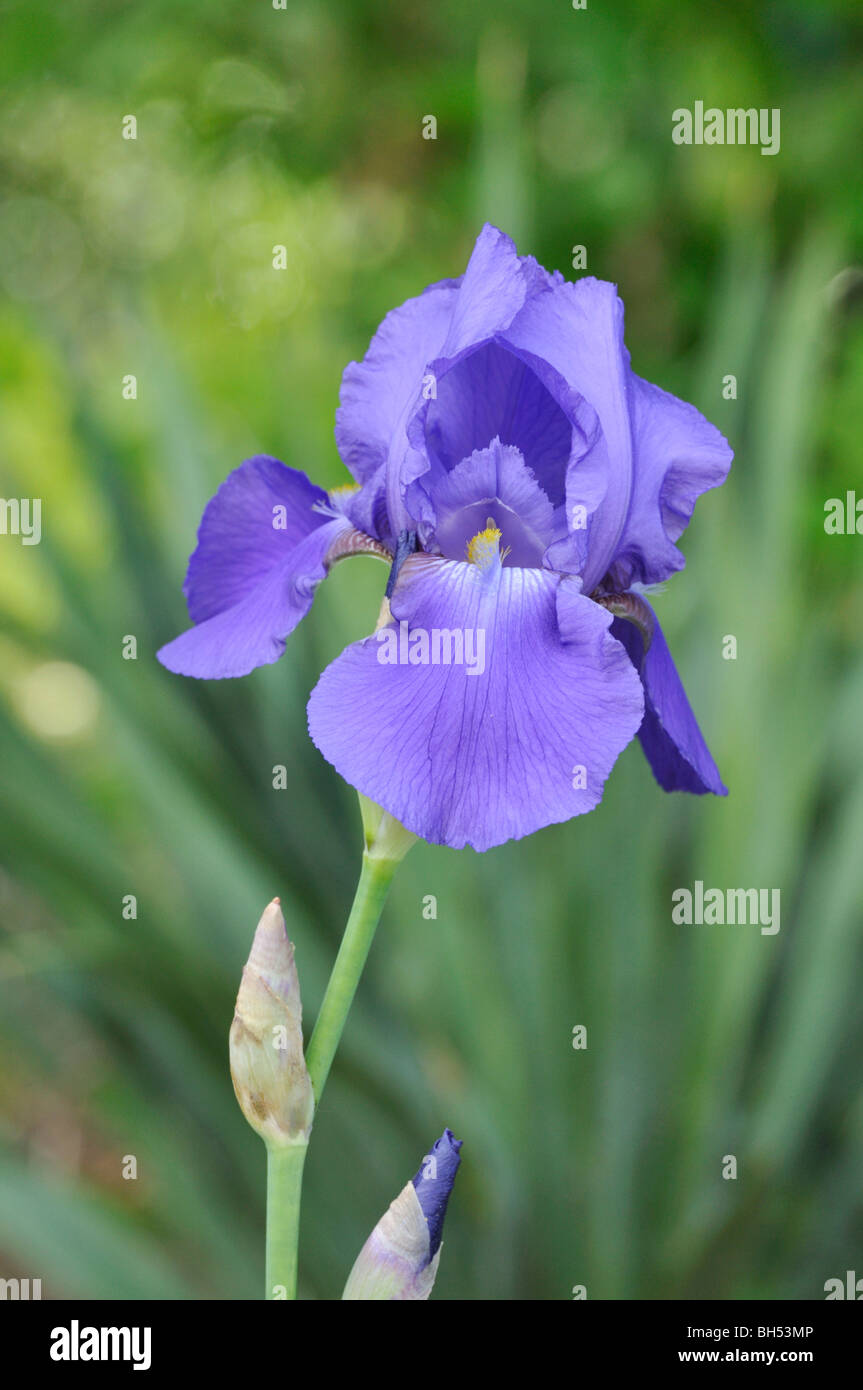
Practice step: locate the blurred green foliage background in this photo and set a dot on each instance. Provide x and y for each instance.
(302, 127)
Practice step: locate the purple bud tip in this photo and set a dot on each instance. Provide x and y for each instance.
(433, 1184)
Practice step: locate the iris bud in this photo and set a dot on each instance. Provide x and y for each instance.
(400, 1258)
(268, 1068)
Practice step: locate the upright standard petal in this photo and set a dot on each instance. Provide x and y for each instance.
(492, 394)
(378, 393)
(573, 334)
(496, 702)
(491, 292)
(678, 455)
(660, 453)
(261, 552)
(670, 736)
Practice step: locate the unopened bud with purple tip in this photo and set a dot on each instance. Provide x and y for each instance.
(400, 1258)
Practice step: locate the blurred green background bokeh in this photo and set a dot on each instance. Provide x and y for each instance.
(303, 127)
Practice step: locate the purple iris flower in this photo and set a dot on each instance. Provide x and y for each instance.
(433, 1184)
(526, 488)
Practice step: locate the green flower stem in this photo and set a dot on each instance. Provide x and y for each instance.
(284, 1183)
(375, 879)
(387, 843)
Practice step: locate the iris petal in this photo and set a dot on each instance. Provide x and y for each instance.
(573, 334)
(493, 394)
(672, 741)
(678, 455)
(480, 758)
(378, 393)
(493, 289)
(261, 552)
(242, 535)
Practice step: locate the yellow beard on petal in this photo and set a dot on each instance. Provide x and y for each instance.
(483, 548)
